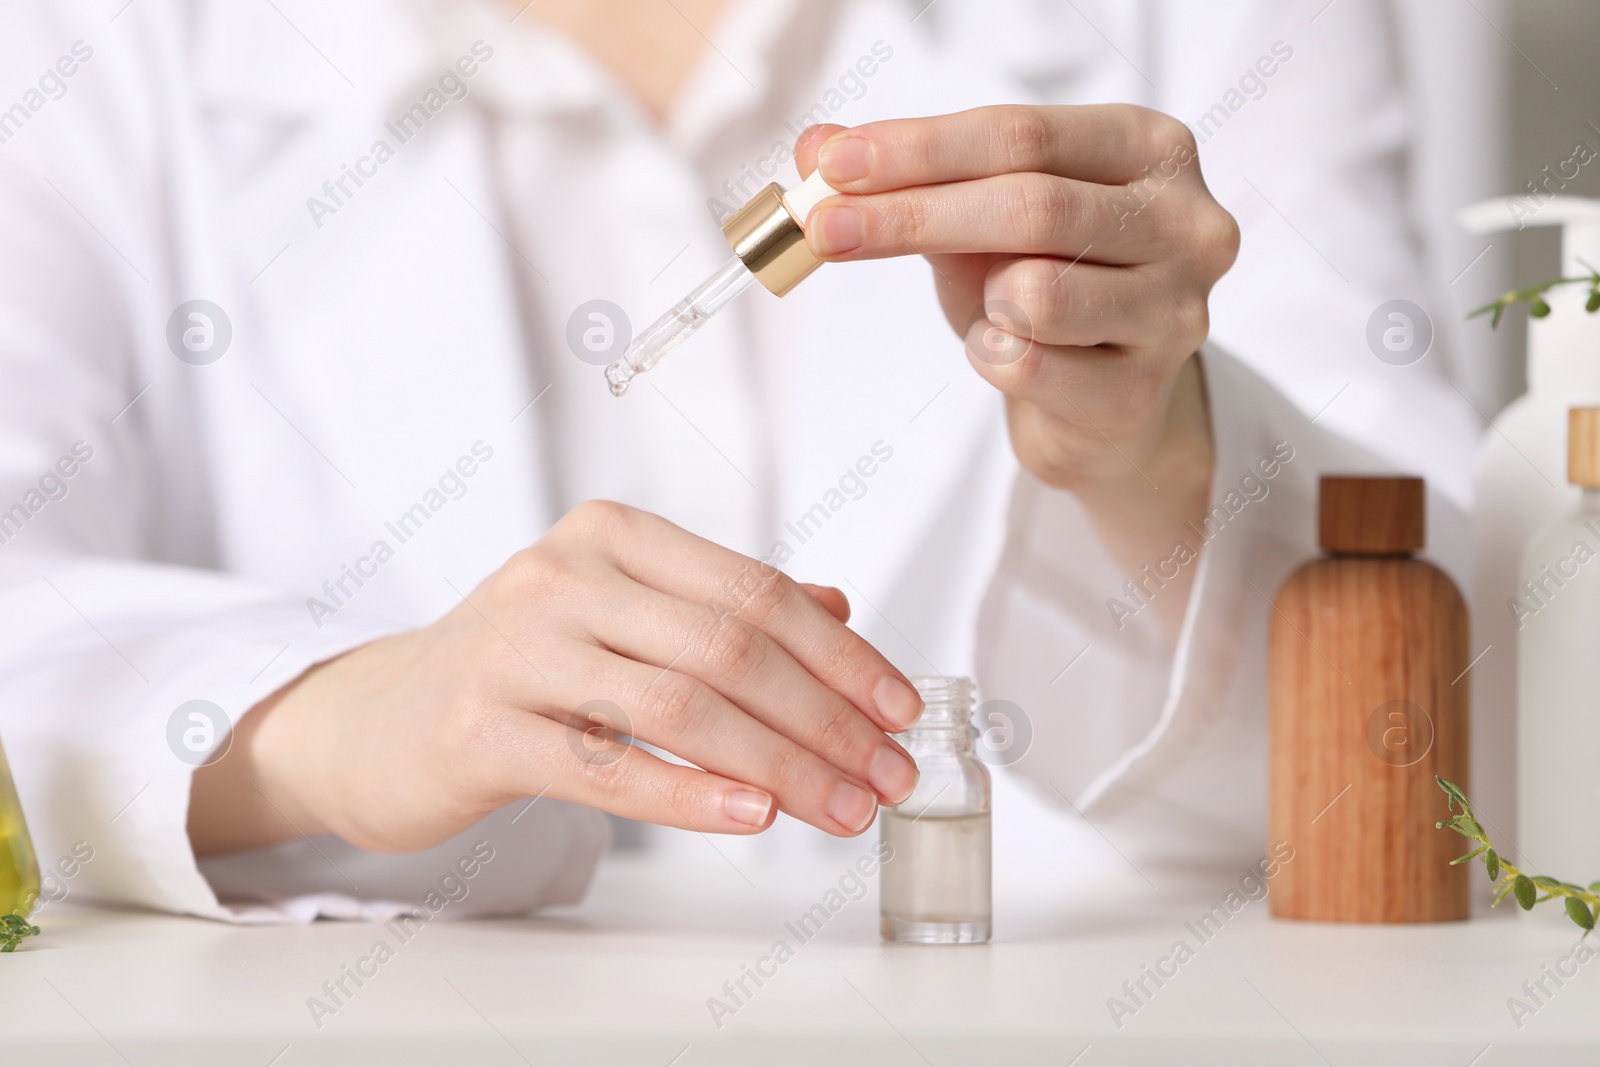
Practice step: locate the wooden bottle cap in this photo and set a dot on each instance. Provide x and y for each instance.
(1365, 516)
(1583, 447)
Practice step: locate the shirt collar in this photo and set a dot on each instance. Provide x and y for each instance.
(373, 55)
(737, 68)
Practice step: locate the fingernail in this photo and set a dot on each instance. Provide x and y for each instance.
(897, 702)
(747, 806)
(836, 230)
(851, 807)
(845, 159)
(892, 775)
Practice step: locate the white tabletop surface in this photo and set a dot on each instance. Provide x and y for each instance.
(624, 978)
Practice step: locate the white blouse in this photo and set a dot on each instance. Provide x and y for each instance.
(401, 210)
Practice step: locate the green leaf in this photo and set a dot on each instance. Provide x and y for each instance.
(1525, 892)
(1491, 863)
(13, 930)
(1451, 790)
(1580, 913)
(1533, 296)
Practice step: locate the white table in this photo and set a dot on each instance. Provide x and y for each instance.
(625, 977)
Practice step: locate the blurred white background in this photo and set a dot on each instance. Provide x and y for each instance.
(1559, 38)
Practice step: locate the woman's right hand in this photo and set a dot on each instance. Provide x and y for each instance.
(708, 655)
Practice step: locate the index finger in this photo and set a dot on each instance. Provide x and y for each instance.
(696, 570)
(1111, 144)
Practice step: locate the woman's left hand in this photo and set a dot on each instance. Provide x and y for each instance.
(1073, 247)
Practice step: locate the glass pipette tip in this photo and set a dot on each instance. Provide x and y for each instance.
(677, 325)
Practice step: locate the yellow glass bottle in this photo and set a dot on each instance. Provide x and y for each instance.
(19, 867)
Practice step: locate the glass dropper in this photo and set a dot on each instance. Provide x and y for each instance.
(675, 327)
(769, 245)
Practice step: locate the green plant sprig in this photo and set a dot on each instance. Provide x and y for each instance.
(13, 928)
(1583, 905)
(1533, 296)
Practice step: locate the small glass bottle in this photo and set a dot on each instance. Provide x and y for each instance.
(935, 885)
(19, 869)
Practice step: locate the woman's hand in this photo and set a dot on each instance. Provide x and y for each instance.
(1074, 248)
(616, 622)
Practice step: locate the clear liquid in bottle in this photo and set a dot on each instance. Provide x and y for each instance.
(939, 890)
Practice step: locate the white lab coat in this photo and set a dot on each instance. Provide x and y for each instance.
(390, 334)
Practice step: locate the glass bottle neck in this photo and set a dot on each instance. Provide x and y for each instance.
(945, 725)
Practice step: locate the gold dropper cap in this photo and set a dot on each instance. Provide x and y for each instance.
(768, 237)
(1583, 447)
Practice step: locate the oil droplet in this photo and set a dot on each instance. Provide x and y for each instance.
(619, 374)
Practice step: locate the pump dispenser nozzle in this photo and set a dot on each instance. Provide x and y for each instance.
(769, 244)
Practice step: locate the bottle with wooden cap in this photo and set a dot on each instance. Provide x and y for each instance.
(1368, 644)
(1557, 614)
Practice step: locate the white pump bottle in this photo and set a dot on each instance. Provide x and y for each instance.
(1522, 484)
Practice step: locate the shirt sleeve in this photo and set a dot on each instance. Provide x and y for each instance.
(129, 647)
(1158, 739)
